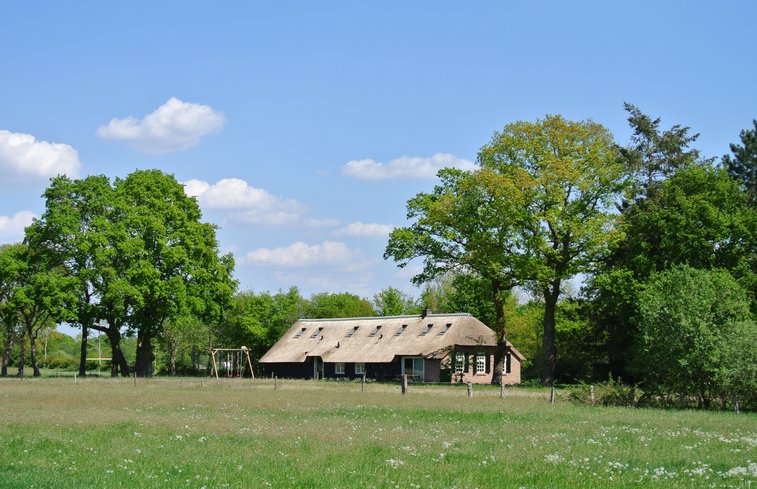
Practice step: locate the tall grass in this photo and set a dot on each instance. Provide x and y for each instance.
(240, 433)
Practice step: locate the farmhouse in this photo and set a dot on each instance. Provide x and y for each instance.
(429, 348)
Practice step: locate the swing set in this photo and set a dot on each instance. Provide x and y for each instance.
(231, 362)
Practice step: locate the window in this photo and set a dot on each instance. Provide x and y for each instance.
(426, 331)
(300, 332)
(352, 332)
(459, 363)
(480, 364)
(446, 328)
(401, 330)
(359, 368)
(507, 367)
(339, 368)
(413, 366)
(317, 332)
(375, 331)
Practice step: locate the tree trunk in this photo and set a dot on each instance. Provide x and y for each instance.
(32, 347)
(551, 294)
(33, 355)
(21, 357)
(7, 353)
(117, 360)
(83, 354)
(145, 355)
(500, 328)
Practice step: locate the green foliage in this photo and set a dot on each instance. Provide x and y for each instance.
(654, 154)
(743, 165)
(394, 302)
(573, 176)
(340, 305)
(257, 321)
(612, 392)
(688, 319)
(139, 253)
(577, 345)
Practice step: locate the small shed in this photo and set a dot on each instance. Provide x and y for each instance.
(428, 348)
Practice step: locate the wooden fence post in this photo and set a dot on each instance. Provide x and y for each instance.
(591, 389)
(362, 384)
(552, 392)
(274, 382)
(736, 403)
(404, 384)
(470, 388)
(501, 388)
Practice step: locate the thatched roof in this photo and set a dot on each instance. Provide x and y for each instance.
(380, 339)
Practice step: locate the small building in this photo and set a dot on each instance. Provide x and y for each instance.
(429, 348)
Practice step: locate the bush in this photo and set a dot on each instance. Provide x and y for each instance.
(610, 393)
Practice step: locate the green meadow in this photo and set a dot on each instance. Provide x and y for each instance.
(102, 433)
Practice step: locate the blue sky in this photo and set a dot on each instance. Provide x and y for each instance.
(304, 127)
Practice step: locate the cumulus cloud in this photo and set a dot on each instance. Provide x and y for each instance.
(174, 126)
(246, 203)
(364, 229)
(24, 158)
(406, 167)
(12, 228)
(302, 255)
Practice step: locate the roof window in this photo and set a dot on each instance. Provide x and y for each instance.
(300, 333)
(351, 332)
(446, 328)
(317, 332)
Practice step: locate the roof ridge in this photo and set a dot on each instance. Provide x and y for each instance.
(456, 314)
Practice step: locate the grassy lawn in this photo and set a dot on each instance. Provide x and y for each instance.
(241, 433)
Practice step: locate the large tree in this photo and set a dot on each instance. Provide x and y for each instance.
(11, 267)
(576, 176)
(173, 262)
(82, 229)
(688, 321)
(340, 305)
(140, 254)
(743, 164)
(470, 224)
(689, 213)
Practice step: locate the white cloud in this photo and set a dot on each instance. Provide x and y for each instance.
(174, 126)
(302, 255)
(406, 167)
(23, 158)
(365, 229)
(12, 228)
(246, 203)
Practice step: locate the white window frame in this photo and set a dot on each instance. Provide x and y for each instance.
(417, 372)
(339, 368)
(480, 363)
(360, 368)
(459, 363)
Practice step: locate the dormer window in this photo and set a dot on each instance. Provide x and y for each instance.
(427, 330)
(401, 330)
(375, 331)
(446, 328)
(318, 332)
(351, 332)
(300, 333)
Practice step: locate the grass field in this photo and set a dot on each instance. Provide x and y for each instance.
(103, 433)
